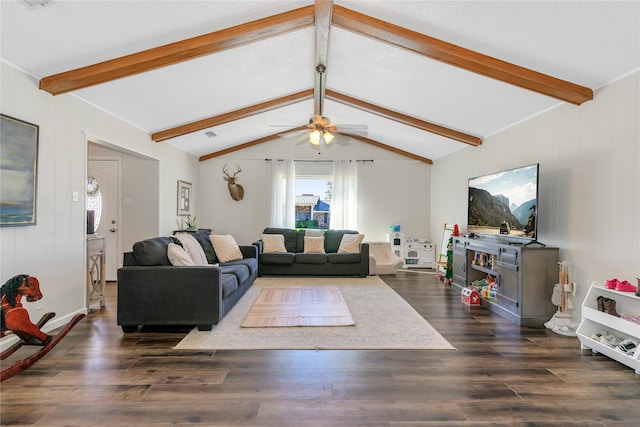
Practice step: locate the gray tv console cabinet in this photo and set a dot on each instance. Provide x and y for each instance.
(525, 274)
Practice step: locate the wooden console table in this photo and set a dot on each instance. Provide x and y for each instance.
(95, 270)
(524, 275)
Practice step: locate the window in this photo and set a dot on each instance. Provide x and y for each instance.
(311, 194)
(94, 200)
(313, 201)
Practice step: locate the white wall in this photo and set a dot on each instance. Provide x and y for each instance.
(391, 190)
(589, 160)
(395, 192)
(54, 249)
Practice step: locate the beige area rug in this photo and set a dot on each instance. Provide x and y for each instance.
(383, 320)
(286, 306)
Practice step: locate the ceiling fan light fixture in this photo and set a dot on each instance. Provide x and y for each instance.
(328, 137)
(314, 137)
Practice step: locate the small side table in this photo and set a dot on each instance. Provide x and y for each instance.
(95, 270)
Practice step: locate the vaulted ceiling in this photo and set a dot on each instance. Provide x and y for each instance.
(426, 77)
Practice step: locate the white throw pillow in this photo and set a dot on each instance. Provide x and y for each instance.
(225, 247)
(314, 233)
(178, 256)
(193, 248)
(273, 243)
(350, 244)
(313, 245)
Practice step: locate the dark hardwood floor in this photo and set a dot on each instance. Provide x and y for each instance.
(500, 375)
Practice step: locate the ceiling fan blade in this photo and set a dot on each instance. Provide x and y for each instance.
(304, 138)
(349, 131)
(356, 129)
(294, 138)
(341, 139)
(359, 127)
(292, 129)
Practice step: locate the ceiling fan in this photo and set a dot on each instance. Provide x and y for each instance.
(321, 132)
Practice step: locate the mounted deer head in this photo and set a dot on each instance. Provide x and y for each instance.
(235, 190)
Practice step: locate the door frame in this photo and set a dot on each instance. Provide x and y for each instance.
(118, 227)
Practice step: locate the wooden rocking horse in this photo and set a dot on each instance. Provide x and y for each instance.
(15, 318)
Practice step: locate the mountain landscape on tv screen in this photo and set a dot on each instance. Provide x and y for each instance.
(524, 211)
(487, 212)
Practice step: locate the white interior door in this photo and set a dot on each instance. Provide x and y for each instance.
(107, 176)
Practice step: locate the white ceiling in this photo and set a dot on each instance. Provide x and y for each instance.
(589, 43)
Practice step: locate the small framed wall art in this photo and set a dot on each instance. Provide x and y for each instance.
(18, 171)
(185, 198)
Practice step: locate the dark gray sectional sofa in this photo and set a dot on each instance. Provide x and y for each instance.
(153, 292)
(295, 262)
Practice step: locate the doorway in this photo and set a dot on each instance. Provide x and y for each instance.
(137, 199)
(102, 198)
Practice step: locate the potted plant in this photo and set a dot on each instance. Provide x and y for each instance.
(191, 223)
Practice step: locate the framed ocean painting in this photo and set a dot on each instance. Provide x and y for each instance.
(18, 171)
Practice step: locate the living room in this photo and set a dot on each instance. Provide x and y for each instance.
(589, 160)
(589, 157)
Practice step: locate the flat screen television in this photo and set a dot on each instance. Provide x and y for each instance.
(505, 203)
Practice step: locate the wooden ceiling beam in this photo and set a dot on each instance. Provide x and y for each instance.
(333, 95)
(249, 144)
(232, 115)
(323, 11)
(460, 57)
(323, 26)
(279, 134)
(388, 148)
(403, 118)
(184, 50)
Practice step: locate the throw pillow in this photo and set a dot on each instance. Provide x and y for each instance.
(226, 247)
(202, 236)
(193, 248)
(273, 243)
(350, 244)
(178, 256)
(314, 233)
(313, 245)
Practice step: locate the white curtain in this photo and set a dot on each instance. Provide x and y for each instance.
(283, 199)
(344, 200)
